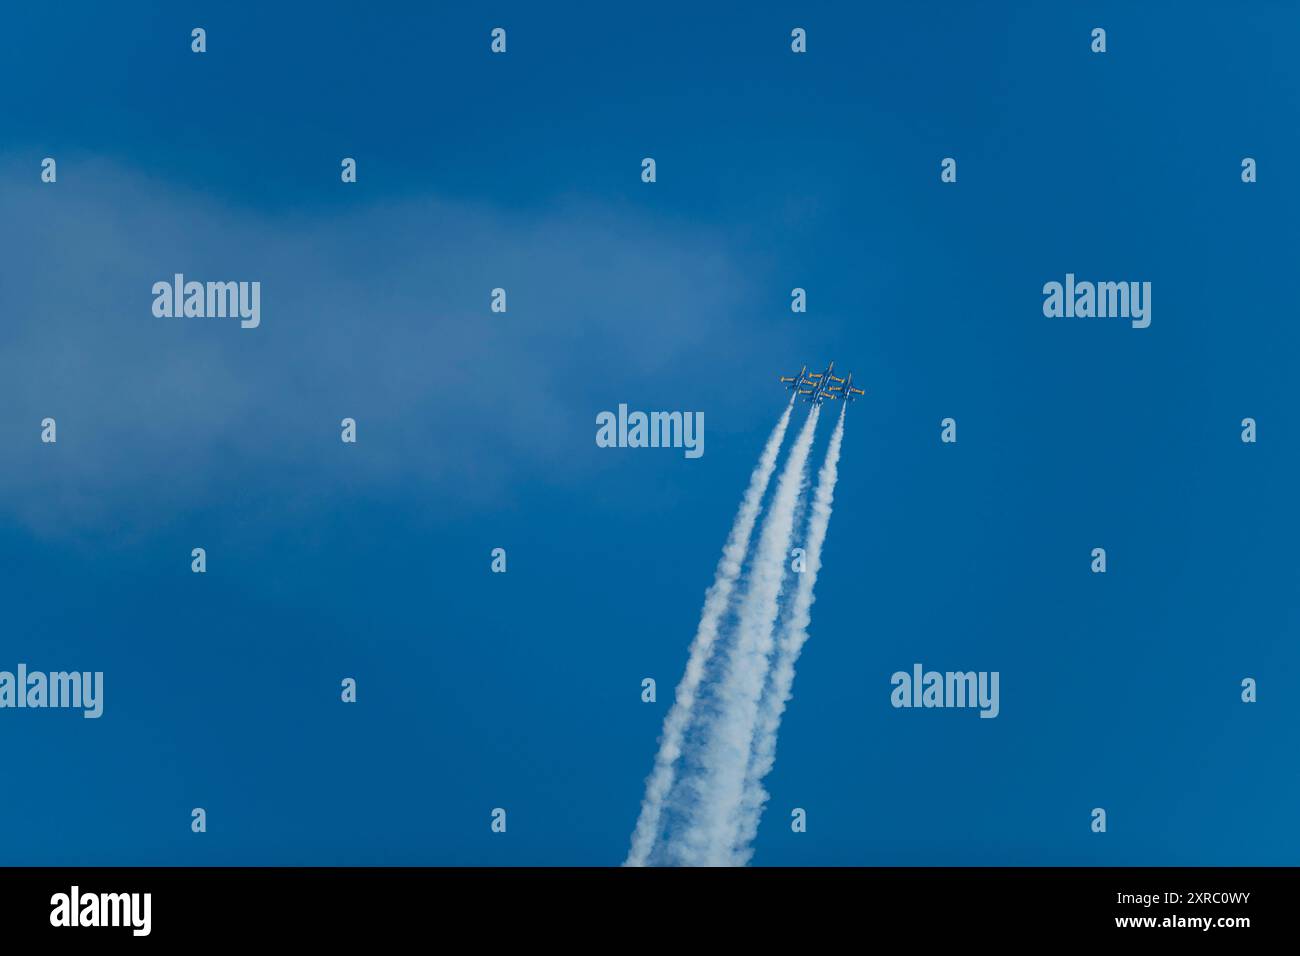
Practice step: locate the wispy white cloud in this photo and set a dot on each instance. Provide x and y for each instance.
(376, 311)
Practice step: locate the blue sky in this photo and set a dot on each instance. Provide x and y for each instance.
(477, 430)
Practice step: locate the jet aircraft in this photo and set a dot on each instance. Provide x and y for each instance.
(795, 382)
(846, 391)
(817, 386)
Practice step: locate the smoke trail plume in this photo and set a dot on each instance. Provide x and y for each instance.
(660, 782)
(789, 645)
(709, 833)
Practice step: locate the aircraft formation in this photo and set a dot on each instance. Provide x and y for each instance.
(814, 388)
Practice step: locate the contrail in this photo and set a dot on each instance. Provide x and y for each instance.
(709, 833)
(716, 599)
(789, 645)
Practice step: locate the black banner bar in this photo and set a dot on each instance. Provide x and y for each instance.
(333, 905)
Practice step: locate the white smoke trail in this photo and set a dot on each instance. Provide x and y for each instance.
(660, 782)
(709, 832)
(789, 645)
